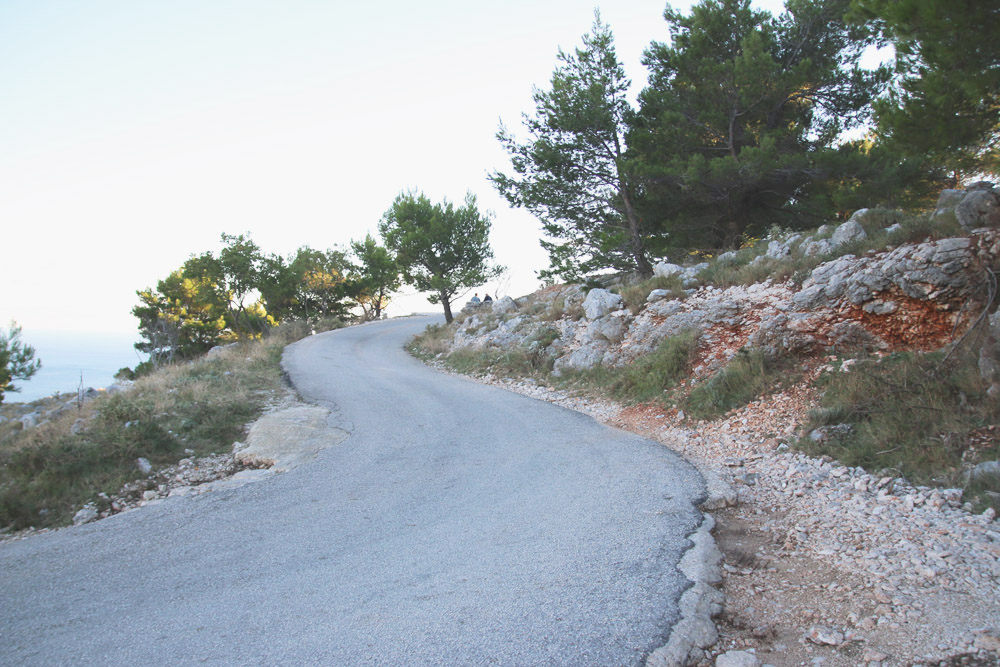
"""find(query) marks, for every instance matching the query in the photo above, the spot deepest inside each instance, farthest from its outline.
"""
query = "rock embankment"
(912, 297)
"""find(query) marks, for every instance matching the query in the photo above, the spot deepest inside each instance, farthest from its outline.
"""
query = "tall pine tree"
(946, 101)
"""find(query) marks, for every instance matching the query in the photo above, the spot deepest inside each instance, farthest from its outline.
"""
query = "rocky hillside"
(894, 295)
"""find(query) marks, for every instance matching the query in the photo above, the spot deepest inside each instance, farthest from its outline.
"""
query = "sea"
(69, 358)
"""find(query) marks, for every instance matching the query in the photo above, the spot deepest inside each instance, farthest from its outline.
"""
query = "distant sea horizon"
(65, 355)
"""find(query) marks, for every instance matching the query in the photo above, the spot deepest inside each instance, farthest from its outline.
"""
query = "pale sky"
(135, 132)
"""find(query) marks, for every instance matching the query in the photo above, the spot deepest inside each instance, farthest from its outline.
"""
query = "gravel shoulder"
(825, 564)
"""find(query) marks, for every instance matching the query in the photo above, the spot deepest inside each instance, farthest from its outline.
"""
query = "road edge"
(699, 604)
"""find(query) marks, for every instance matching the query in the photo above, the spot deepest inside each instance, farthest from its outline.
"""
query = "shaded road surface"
(457, 525)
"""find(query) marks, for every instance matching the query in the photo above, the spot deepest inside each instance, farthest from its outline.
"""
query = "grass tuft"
(635, 296)
(515, 362)
(650, 376)
(748, 375)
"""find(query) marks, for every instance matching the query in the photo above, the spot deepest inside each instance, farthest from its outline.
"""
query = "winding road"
(458, 524)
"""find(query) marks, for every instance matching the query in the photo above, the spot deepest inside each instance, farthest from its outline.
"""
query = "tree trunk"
(635, 237)
(447, 308)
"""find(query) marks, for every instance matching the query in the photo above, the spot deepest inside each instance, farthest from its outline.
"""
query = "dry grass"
(910, 414)
(193, 408)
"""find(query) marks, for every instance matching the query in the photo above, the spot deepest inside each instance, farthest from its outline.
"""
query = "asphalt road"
(457, 525)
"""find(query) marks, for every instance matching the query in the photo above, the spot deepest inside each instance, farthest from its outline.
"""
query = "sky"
(135, 133)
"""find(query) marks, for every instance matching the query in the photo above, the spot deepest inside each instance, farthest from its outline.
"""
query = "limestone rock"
(610, 329)
(975, 207)
(947, 201)
(859, 215)
(686, 273)
(847, 232)
(978, 208)
(821, 247)
(600, 302)
(504, 306)
(30, 420)
(737, 659)
(666, 269)
(823, 635)
(657, 295)
(144, 465)
(582, 358)
(86, 514)
(825, 434)
(988, 639)
(778, 249)
(985, 469)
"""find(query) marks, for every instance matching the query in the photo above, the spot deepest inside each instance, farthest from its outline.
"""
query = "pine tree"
(571, 171)
(741, 113)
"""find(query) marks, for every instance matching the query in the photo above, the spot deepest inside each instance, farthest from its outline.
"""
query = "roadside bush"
(434, 340)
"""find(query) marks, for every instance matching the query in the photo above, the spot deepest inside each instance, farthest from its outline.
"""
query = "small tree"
(441, 249)
(185, 315)
(242, 265)
(376, 276)
(309, 284)
(17, 360)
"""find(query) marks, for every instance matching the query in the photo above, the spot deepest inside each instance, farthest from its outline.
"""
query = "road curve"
(458, 524)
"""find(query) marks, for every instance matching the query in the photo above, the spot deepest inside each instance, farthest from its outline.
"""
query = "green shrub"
(748, 375)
